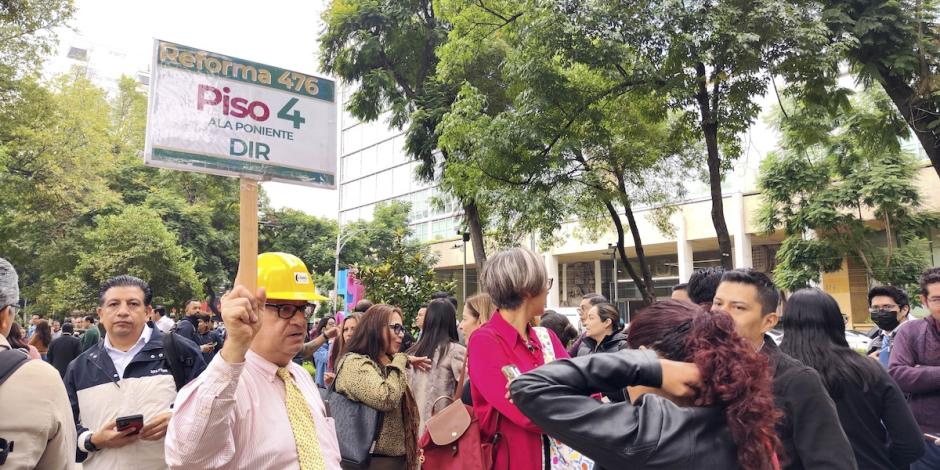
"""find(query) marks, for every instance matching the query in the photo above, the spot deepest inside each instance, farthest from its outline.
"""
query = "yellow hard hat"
(285, 277)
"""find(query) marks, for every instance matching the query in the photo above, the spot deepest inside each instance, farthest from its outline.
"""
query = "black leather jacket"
(653, 434)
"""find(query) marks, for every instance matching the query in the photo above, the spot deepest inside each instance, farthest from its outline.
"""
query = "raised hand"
(680, 379)
(241, 312)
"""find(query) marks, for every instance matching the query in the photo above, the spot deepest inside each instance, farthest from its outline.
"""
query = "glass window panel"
(420, 205)
(367, 212)
(439, 229)
(400, 180)
(398, 149)
(353, 140)
(367, 190)
(369, 164)
(355, 165)
(421, 232)
(345, 168)
(385, 154)
(352, 196)
(383, 185)
(347, 141)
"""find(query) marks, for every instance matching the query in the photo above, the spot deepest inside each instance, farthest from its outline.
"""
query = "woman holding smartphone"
(518, 285)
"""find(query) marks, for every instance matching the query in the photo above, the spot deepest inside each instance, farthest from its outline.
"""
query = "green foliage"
(830, 171)
(404, 277)
(147, 250)
(313, 240)
(310, 238)
(70, 159)
(26, 35)
(390, 49)
(897, 45)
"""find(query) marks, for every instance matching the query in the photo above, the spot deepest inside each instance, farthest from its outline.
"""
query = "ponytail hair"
(735, 377)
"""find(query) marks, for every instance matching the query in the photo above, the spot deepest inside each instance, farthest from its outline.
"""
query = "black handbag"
(357, 426)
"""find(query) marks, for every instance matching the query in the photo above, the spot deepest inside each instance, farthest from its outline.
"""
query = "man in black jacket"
(64, 348)
(811, 432)
(186, 327)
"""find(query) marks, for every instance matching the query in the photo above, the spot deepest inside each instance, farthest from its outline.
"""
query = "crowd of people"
(691, 382)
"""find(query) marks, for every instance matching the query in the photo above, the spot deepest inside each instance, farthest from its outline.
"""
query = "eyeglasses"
(397, 328)
(286, 311)
(551, 281)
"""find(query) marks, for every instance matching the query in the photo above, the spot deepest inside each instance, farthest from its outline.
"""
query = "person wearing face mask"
(889, 308)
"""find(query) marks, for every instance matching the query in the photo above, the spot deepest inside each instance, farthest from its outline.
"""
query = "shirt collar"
(507, 331)
(142, 340)
(268, 368)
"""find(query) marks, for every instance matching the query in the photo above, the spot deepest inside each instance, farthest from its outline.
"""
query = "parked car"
(857, 340)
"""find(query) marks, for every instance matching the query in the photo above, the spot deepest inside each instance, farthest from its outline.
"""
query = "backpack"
(174, 362)
(10, 361)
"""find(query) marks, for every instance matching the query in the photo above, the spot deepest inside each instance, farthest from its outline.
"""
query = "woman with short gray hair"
(518, 284)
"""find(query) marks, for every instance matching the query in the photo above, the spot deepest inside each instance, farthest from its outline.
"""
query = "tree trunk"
(917, 114)
(710, 133)
(472, 217)
(615, 217)
(646, 287)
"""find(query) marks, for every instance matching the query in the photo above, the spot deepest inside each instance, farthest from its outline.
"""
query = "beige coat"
(35, 414)
(438, 382)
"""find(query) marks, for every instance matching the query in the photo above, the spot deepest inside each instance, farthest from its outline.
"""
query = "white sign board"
(211, 113)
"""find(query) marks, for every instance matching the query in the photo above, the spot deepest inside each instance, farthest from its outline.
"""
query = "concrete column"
(598, 285)
(683, 248)
(551, 265)
(742, 241)
(564, 284)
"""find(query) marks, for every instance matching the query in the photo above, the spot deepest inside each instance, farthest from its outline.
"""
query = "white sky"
(276, 32)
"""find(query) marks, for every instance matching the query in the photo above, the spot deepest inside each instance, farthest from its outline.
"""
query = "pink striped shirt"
(234, 416)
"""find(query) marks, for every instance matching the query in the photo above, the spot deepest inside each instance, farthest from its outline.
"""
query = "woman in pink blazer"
(518, 284)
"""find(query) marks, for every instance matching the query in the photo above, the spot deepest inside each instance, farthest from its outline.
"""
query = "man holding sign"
(253, 407)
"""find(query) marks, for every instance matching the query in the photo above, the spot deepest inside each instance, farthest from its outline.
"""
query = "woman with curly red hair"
(700, 397)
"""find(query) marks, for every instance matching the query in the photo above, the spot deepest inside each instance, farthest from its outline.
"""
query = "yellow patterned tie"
(301, 423)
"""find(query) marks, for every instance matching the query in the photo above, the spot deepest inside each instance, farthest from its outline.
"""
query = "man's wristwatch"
(89, 445)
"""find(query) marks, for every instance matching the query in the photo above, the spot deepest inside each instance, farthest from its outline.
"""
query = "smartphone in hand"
(510, 371)
(133, 421)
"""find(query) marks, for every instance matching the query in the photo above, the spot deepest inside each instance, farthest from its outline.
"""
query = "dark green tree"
(133, 242)
(27, 36)
(388, 49)
(711, 60)
(403, 278)
(834, 171)
(897, 45)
